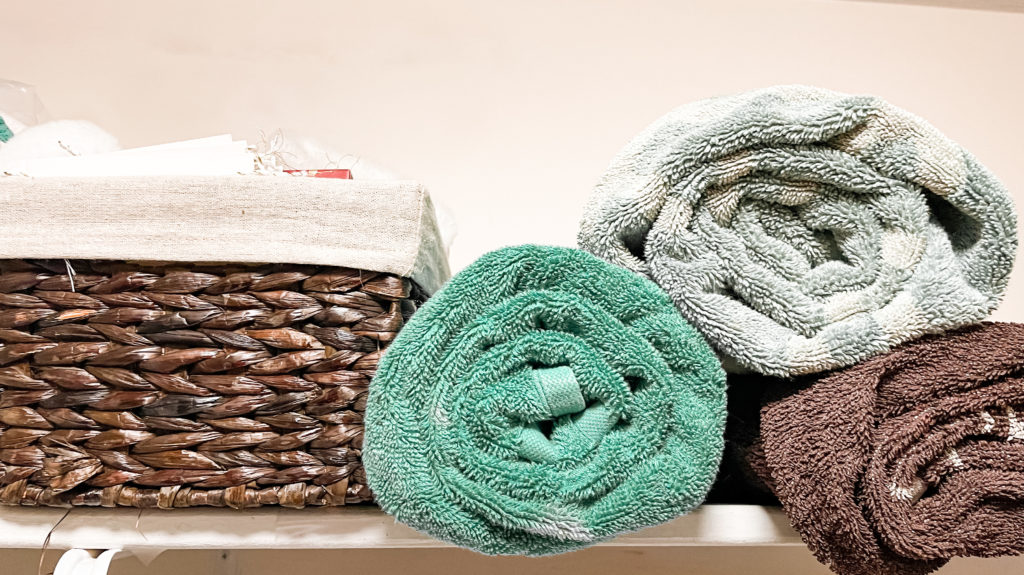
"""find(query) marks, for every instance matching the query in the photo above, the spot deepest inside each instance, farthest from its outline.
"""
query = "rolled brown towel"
(900, 463)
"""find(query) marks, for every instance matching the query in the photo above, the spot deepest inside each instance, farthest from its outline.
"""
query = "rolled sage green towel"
(543, 401)
(803, 230)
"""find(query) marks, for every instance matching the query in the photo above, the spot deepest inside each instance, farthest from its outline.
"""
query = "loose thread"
(46, 542)
(71, 273)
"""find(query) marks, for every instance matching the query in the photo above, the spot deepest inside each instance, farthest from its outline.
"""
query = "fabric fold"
(802, 230)
(904, 461)
(543, 401)
(375, 225)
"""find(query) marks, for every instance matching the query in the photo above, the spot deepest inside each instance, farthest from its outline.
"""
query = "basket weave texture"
(173, 385)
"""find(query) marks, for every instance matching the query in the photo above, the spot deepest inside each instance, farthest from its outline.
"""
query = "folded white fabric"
(386, 226)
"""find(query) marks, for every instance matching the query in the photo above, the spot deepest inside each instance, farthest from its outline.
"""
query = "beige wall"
(510, 110)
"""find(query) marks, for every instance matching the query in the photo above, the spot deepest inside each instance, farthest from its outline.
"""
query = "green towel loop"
(560, 390)
(562, 395)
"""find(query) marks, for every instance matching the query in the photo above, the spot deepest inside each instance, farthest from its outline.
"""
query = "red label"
(336, 174)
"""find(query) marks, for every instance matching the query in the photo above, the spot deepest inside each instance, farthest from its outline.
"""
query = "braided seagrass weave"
(175, 385)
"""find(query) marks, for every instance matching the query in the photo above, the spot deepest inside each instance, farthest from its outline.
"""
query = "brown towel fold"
(910, 458)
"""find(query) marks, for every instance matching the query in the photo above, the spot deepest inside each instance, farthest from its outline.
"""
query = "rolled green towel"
(543, 401)
(803, 230)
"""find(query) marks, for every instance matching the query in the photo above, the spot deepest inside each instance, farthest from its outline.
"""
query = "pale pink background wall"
(510, 110)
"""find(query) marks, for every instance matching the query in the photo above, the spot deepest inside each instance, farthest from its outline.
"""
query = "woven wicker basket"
(169, 385)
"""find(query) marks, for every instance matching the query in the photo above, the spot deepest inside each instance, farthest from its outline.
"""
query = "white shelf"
(336, 528)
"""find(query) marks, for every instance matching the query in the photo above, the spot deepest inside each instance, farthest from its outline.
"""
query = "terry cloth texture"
(803, 230)
(543, 401)
(897, 464)
(377, 226)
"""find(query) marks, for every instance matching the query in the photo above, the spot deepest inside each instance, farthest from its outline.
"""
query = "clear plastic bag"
(20, 106)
